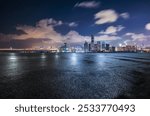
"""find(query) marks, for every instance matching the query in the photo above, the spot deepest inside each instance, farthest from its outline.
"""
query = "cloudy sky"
(36, 23)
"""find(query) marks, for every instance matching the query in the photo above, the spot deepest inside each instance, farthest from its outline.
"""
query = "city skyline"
(31, 24)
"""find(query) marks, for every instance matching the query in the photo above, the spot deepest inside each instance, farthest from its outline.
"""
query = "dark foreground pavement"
(72, 75)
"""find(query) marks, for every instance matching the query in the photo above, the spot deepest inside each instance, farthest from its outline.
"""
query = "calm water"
(73, 75)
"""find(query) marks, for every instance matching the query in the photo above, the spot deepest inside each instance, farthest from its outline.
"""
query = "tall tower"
(86, 46)
(65, 47)
(92, 39)
(103, 46)
(92, 44)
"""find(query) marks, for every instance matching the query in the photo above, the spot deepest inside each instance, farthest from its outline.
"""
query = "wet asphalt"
(75, 76)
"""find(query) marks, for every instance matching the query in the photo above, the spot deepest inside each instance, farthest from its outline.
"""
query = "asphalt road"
(75, 76)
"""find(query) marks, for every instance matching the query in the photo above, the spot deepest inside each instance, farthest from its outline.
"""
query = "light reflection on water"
(101, 59)
(13, 57)
(56, 56)
(13, 66)
(74, 59)
(43, 56)
(43, 60)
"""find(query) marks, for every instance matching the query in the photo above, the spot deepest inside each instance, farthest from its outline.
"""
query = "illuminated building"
(147, 49)
(79, 49)
(127, 48)
(98, 47)
(64, 48)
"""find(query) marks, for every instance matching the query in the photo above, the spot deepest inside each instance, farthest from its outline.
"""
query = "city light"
(43, 56)
(13, 57)
(120, 45)
(56, 55)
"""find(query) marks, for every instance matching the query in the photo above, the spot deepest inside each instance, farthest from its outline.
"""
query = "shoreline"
(46, 51)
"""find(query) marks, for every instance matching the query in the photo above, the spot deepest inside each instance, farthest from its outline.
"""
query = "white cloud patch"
(137, 37)
(75, 37)
(88, 4)
(112, 30)
(107, 38)
(147, 26)
(125, 15)
(108, 16)
(44, 31)
(49, 22)
(72, 24)
(129, 42)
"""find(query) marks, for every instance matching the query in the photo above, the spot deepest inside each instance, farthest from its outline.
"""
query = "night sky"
(36, 23)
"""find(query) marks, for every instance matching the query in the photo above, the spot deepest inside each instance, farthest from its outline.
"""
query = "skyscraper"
(99, 47)
(103, 46)
(92, 38)
(92, 43)
(86, 47)
(89, 47)
(107, 47)
(64, 48)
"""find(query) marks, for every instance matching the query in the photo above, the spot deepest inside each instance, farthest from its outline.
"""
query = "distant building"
(112, 49)
(89, 47)
(99, 46)
(107, 47)
(146, 49)
(92, 39)
(79, 48)
(64, 48)
(128, 48)
(103, 46)
(92, 49)
(86, 47)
